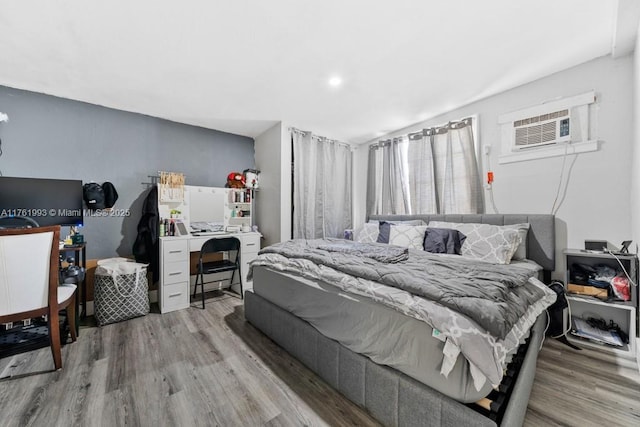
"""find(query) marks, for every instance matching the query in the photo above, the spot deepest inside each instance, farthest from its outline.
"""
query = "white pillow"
(491, 243)
(368, 233)
(408, 236)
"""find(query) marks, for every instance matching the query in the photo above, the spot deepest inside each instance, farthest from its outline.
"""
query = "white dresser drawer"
(174, 272)
(250, 243)
(174, 297)
(175, 250)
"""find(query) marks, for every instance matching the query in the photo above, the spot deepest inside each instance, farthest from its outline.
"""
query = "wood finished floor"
(210, 367)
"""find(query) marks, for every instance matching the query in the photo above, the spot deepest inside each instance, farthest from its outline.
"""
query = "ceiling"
(241, 66)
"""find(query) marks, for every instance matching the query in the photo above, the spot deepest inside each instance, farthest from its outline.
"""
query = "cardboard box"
(587, 290)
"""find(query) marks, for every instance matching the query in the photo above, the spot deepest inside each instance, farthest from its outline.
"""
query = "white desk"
(175, 282)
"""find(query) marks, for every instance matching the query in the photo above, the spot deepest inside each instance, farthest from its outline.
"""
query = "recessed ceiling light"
(335, 81)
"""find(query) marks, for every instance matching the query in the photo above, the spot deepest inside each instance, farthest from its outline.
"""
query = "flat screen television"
(47, 201)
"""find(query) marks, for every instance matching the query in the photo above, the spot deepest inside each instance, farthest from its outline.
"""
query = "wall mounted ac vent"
(553, 128)
(545, 129)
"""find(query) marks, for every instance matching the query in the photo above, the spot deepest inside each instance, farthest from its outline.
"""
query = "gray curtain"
(432, 171)
(321, 186)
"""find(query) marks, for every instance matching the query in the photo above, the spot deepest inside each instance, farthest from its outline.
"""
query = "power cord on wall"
(554, 208)
(489, 185)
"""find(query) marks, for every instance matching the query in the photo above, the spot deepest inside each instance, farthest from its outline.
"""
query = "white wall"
(273, 200)
(597, 204)
(635, 172)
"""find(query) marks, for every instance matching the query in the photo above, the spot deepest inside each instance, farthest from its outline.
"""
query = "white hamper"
(121, 290)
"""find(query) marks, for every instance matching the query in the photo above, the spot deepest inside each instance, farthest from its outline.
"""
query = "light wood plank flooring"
(210, 367)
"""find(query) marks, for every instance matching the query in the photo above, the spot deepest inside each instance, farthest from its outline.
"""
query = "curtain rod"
(318, 137)
(435, 130)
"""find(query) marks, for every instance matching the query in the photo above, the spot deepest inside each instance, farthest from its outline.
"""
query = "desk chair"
(16, 221)
(218, 245)
(29, 281)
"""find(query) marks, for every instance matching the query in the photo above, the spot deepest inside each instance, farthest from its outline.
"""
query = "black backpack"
(110, 194)
(93, 195)
(556, 310)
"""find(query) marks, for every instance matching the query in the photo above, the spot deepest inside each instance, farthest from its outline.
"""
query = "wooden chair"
(29, 281)
(218, 245)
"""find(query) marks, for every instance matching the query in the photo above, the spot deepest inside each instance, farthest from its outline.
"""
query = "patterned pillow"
(491, 243)
(523, 230)
(408, 236)
(368, 233)
(385, 227)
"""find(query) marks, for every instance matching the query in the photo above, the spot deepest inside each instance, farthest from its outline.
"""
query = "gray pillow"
(443, 241)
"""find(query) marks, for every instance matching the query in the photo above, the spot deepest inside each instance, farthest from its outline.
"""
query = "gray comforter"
(381, 253)
(491, 295)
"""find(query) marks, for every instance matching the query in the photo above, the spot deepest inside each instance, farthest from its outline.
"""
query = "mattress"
(385, 335)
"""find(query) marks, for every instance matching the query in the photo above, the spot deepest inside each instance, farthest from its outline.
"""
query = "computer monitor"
(47, 201)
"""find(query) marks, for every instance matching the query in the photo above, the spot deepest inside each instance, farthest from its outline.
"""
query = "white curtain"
(432, 171)
(321, 186)
(388, 171)
(458, 182)
(422, 179)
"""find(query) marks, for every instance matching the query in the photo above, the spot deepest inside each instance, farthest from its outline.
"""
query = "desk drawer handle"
(175, 273)
(175, 252)
(177, 294)
(251, 244)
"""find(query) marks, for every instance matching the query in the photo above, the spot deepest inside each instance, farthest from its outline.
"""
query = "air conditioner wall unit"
(545, 129)
(549, 129)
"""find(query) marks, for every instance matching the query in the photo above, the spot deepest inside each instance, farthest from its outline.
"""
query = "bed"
(344, 337)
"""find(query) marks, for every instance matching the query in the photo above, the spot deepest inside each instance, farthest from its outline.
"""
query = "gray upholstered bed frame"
(541, 240)
(390, 396)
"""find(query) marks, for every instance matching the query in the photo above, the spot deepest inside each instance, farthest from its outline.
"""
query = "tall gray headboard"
(541, 240)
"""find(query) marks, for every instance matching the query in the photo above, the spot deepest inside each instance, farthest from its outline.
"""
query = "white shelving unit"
(238, 210)
(623, 313)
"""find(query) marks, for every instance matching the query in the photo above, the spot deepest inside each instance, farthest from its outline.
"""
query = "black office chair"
(218, 245)
(15, 221)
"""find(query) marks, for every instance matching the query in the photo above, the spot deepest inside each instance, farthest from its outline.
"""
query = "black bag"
(556, 310)
(581, 273)
(93, 195)
(110, 194)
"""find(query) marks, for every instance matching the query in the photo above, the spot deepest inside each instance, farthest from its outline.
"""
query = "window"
(427, 172)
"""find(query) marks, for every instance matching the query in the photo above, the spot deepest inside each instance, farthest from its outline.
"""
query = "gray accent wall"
(50, 137)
